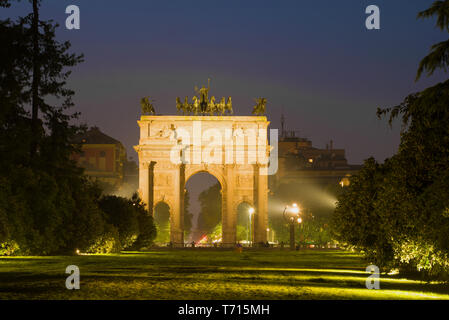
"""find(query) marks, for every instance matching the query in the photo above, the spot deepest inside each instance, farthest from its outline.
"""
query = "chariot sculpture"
(202, 105)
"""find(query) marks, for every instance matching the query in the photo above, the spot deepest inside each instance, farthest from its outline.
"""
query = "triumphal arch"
(234, 149)
(208, 138)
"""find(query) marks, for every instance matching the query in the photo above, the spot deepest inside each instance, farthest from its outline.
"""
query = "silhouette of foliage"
(438, 58)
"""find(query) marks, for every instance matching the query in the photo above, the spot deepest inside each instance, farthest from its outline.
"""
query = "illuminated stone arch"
(163, 179)
(213, 170)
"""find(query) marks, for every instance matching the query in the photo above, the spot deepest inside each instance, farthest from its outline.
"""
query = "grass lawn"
(207, 274)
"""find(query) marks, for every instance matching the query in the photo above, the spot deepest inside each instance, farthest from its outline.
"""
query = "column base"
(177, 239)
(228, 239)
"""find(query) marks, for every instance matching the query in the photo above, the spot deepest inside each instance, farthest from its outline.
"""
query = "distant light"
(311, 160)
(299, 220)
(295, 205)
(393, 272)
(295, 210)
(251, 210)
(77, 251)
(268, 229)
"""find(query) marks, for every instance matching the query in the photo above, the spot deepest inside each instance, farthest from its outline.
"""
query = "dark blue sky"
(314, 61)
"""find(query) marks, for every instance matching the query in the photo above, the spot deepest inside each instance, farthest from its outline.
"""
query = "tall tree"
(36, 76)
(439, 55)
(50, 206)
(210, 214)
(398, 212)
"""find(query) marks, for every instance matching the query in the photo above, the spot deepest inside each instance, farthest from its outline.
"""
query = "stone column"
(229, 220)
(144, 187)
(176, 214)
(261, 202)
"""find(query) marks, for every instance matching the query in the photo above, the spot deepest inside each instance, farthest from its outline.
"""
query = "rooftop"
(95, 136)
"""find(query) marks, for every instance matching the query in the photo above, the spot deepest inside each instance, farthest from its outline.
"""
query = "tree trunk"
(36, 78)
(292, 236)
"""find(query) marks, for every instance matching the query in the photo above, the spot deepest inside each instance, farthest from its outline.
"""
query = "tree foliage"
(147, 227)
(438, 58)
(397, 212)
(162, 221)
(47, 205)
(210, 214)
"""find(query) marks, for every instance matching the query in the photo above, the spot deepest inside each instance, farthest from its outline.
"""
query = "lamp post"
(268, 234)
(250, 238)
(291, 215)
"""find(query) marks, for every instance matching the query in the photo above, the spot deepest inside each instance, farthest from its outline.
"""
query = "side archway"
(245, 223)
(161, 215)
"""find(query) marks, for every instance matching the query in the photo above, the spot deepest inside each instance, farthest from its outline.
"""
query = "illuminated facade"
(161, 179)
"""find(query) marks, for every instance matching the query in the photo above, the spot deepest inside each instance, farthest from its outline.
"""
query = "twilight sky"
(314, 61)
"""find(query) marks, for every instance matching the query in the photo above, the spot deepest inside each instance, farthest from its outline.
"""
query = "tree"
(122, 214)
(417, 186)
(162, 220)
(45, 185)
(397, 212)
(439, 56)
(355, 220)
(147, 228)
(210, 214)
(36, 76)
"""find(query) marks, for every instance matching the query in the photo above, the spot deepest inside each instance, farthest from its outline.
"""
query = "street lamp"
(299, 220)
(250, 211)
(268, 234)
(291, 214)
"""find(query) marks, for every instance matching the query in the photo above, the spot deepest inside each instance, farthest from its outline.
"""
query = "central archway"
(162, 179)
(244, 224)
(204, 193)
